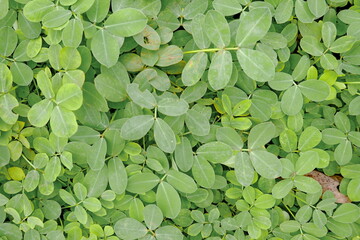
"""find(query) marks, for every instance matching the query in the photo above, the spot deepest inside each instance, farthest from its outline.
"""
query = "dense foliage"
(179, 119)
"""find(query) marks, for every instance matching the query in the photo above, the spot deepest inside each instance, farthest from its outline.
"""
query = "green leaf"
(307, 184)
(220, 70)
(80, 191)
(194, 69)
(22, 73)
(288, 140)
(342, 44)
(168, 232)
(96, 182)
(200, 37)
(181, 181)
(153, 216)
(244, 170)
(343, 152)
(8, 41)
(169, 55)
(35, 10)
(303, 12)
(265, 201)
(312, 45)
(10, 231)
(318, 7)
(230, 137)
(292, 101)
(148, 39)
(136, 127)
(56, 18)
(98, 11)
(126, 22)
(194, 8)
(347, 213)
(31, 180)
(63, 122)
(173, 106)
(81, 6)
(253, 27)
(67, 197)
(315, 90)
(284, 11)
(266, 164)
(261, 134)
(215, 152)
(203, 172)
(290, 226)
(183, 155)
(105, 48)
(142, 98)
(72, 33)
(282, 188)
(309, 138)
(197, 123)
(142, 182)
(306, 162)
(227, 7)
(353, 189)
(354, 138)
(117, 175)
(257, 65)
(96, 155)
(168, 200)
(69, 96)
(217, 28)
(128, 228)
(164, 136)
(92, 204)
(354, 106)
(328, 33)
(4, 8)
(39, 114)
(52, 169)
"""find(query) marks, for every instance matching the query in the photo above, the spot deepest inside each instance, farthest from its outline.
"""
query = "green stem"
(211, 50)
(351, 82)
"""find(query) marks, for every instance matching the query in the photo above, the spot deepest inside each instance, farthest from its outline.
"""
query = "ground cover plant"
(179, 119)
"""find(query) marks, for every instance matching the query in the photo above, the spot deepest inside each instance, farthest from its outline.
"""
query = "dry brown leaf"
(331, 184)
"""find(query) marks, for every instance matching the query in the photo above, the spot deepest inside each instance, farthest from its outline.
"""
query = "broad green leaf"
(69, 96)
(169, 55)
(128, 228)
(347, 213)
(22, 73)
(56, 18)
(342, 44)
(6, 79)
(306, 162)
(266, 164)
(153, 216)
(197, 123)
(230, 137)
(31, 180)
(70, 58)
(290, 226)
(194, 69)
(112, 83)
(105, 48)
(265, 201)
(257, 65)
(136, 127)
(183, 155)
(203, 172)
(10, 231)
(168, 200)
(342, 122)
(301, 68)
(288, 140)
(217, 28)
(284, 11)
(194, 8)
(282, 188)
(39, 114)
(72, 34)
(126, 22)
(164, 136)
(117, 175)
(172, 106)
(81, 6)
(312, 45)
(292, 101)
(67, 197)
(353, 189)
(35, 10)
(98, 11)
(92, 204)
(169, 232)
(303, 12)
(328, 33)
(91, 94)
(8, 41)
(63, 122)
(181, 182)
(142, 182)
(215, 152)
(244, 170)
(195, 92)
(318, 7)
(4, 8)
(148, 39)
(200, 36)
(52, 169)
(307, 184)
(354, 138)
(253, 27)
(354, 106)
(309, 138)
(220, 70)
(44, 84)
(315, 90)
(96, 182)
(142, 98)
(261, 134)
(227, 7)
(343, 152)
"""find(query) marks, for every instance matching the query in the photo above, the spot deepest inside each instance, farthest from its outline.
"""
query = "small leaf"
(168, 200)
(136, 127)
(117, 175)
(347, 213)
(203, 172)
(129, 228)
(217, 28)
(142, 182)
(181, 181)
(153, 216)
(164, 136)
(172, 106)
(309, 138)
(315, 90)
(39, 114)
(292, 101)
(244, 170)
(63, 122)
(69, 96)
(266, 164)
(220, 70)
(194, 69)
(215, 152)
(105, 48)
(261, 134)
